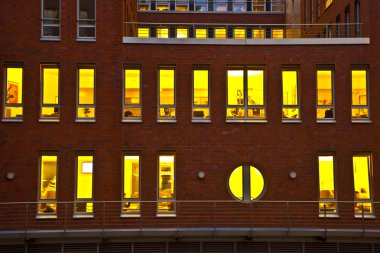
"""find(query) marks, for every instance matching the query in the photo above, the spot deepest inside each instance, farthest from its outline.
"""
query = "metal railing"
(22, 216)
(212, 5)
(242, 31)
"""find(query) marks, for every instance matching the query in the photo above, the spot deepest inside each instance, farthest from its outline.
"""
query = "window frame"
(43, 20)
(125, 213)
(246, 107)
(58, 105)
(7, 105)
(47, 201)
(83, 200)
(159, 106)
(332, 69)
(327, 214)
(139, 106)
(82, 119)
(298, 106)
(367, 106)
(168, 213)
(79, 38)
(208, 106)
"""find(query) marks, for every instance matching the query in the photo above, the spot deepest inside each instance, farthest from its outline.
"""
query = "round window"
(246, 183)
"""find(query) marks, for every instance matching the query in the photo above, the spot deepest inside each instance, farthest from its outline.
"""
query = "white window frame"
(54, 118)
(13, 119)
(298, 106)
(368, 119)
(79, 26)
(198, 119)
(332, 106)
(159, 106)
(83, 119)
(125, 106)
(173, 199)
(125, 200)
(44, 22)
(203, 4)
(322, 213)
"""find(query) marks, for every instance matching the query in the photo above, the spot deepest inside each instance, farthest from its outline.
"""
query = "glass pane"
(51, 31)
(50, 86)
(324, 87)
(257, 182)
(239, 5)
(360, 113)
(277, 34)
(143, 32)
(87, 32)
(132, 87)
(131, 207)
(235, 113)
(201, 5)
(86, 9)
(220, 5)
(201, 33)
(162, 33)
(166, 87)
(359, 87)
(220, 33)
(258, 113)
(84, 207)
(200, 113)
(13, 112)
(14, 86)
(289, 88)
(258, 33)
(361, 177)
(167, 112)
(47, 208)
(166, 182)
(86, 86)
(325, 113)
(86, 112)
(200, 87)
(131, 177)
(239, 33)
(51, 9)
(290, 113)
(131, 112)
(84, 177)
(255, 87)
(235, 84)
(235, 183)
(48, 177)
(326, 183)
(182, 33)
(50, 112)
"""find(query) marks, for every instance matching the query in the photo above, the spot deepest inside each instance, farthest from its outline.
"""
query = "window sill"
(329, 215)
(46, 216)
(52, 39)
(47, 120)
(12, 120)
(168, 215)
(365, 216)
(85, 120)
(361, 121)
(297, 121)
(201, 121)
(166, 120)
(130, 215)
(326, 121)
(246, 120)
(83, 216)
(131, 120)
(86, 39)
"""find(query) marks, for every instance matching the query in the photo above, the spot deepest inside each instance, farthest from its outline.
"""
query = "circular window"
(246, 183)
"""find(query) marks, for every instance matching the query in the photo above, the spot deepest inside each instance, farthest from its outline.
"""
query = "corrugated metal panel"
(12, 249)
(115, 248)
(355, 248)
(78, 248)
(320, 247)
(188, 247)
(220, 247)
(41, 248)
(256, 247)
(286, 247)
(149, 247)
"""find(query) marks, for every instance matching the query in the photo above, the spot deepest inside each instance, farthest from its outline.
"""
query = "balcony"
(243, 34)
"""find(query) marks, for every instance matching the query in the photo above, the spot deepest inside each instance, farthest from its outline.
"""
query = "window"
(258, 5)
(327, 193)
(201, 33)
(201, 5)
(362, 184)
(220, 5)
(131, 185)
(51, 19)
(277, 33)
(325, 95)
(239, 33)
(49, 93)
(166, 95)
(162, 32)
(13, 102)
(86, 19)
(163, 5)
(246, 183)
(245, 95)
(239, 5)
(166, 184)
(132, 94)
(143, 32)
(84, 186)
(47, 197)
(182, 5)
(86, 94)
(318, 8)
(290, 98)
(360, 108)
(338, 27)
(182, 33)
(258, 33)
(201, 93)
(220, 33)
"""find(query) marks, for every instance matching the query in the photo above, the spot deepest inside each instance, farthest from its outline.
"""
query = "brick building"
(189, 126)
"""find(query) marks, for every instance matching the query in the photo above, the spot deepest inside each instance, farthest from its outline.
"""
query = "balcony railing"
(240, 31)
(212, 5)
(281, 217)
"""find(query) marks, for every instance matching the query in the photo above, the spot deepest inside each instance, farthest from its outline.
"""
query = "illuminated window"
(258, 33)
(246, 183)
(47, 206)
(327, 193)
(84, 185)
(143, 32)
(166, 95)
(201, 5)
(86, 19)
(182, 33)
(162, 32)
(220, 5)
(201, 101)
(362, 184)
(163, 5)
(277, 33)
(131, 184)
(347, 17)
(239, 33)
(86, 94)
(245, 95)
(51, 19)
(239, 5)
(359, 108)
(325, 95)
(220, 33)
(143, 5)
(201, 33)
(132, 94)
(13, 102)
(182, 5)
(290, 98)
(258, 5)
(166, 184)
(50, 93)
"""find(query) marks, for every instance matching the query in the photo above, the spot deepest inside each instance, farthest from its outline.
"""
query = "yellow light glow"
(14, 85)
(200, 87)
(132, 87)
(257, 182)
(359, 87)
(220, 33)
(236, 182)
(255, 87)
(162, 33)
(86, 86)
(48, 177)
(50, 86)
(361, 166)
(131, 176)
(258, 33)
(326, 177)
(239, 33)
(182, 33)
(201, 33)
(324, 87)
(289, 87)
(143, 32)
(277, 33)
(166, 87)
(235, 84)
(84, 177)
